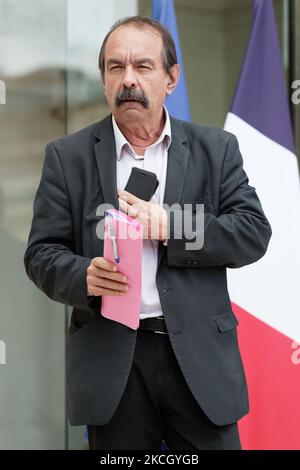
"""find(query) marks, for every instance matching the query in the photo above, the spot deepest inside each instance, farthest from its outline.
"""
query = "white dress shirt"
(155, 159)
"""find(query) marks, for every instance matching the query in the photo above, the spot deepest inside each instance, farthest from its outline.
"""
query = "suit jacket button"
(195, 262)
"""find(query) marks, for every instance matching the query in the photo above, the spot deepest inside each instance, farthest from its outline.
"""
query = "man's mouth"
(129, 101)
(131, 96)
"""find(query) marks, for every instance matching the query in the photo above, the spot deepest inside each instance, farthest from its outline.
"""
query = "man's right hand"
(103, 278)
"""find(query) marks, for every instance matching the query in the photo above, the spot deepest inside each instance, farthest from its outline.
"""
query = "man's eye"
(116, 67)
(144, 67)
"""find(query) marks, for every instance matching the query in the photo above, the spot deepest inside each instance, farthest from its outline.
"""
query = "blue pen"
(112, 236)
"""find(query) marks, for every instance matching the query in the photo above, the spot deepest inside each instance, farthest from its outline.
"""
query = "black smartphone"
(142, 183)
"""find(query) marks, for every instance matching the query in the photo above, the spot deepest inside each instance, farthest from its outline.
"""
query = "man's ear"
(174, 74)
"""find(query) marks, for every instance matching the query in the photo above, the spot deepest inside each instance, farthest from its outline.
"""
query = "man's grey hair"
(169, 55)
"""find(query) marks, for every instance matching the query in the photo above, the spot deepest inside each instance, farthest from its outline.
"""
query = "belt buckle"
(160, 332)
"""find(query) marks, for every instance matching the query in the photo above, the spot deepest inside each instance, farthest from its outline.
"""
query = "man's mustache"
(131, 94)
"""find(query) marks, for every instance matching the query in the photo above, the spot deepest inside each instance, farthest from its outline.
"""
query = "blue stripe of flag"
(178, 103)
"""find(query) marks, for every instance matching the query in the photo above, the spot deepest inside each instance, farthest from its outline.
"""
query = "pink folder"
(125, 309)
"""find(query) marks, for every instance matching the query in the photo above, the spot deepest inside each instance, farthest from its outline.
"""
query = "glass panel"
(32, 328)
(49, 86)
(88, 23)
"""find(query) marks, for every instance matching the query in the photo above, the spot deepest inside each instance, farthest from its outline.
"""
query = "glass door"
(49, 86)
(32, 328)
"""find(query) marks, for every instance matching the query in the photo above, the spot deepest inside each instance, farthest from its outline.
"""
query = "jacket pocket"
(226, 322)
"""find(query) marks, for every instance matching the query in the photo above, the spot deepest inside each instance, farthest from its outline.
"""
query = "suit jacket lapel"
(178, 156)
(177, 164)
(105, 152)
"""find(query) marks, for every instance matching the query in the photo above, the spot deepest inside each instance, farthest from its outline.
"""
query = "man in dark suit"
(179, 377)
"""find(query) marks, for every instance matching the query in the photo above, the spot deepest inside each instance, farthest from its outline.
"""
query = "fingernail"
(124, 278)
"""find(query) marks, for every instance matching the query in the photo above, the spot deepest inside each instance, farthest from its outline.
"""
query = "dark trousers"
(157, 405)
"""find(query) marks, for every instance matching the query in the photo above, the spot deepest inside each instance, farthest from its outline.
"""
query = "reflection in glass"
(32, 58)
(48, 65)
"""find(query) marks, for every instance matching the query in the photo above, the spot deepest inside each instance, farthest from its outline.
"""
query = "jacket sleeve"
(237, 236)
(49, 259)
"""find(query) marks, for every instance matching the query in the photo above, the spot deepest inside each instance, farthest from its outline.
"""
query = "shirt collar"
(121, 140)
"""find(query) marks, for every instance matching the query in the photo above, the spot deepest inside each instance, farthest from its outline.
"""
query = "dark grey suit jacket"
(204, 166)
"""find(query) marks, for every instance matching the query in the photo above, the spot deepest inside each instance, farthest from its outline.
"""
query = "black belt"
(156, 325)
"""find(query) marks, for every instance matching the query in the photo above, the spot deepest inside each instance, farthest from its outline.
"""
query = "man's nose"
(129, 79)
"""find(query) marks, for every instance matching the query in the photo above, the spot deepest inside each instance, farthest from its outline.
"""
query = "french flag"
(265, 295)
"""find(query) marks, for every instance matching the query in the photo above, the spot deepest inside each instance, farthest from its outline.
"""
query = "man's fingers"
(119, 277)
(129, 197)
(109, 284)
(103, 280)
(128, 209)
(97, 277)
(103, 263)
(123, 205)
(103, 291)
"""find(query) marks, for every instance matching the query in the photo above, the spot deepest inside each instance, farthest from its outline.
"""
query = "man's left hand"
(151, 215)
